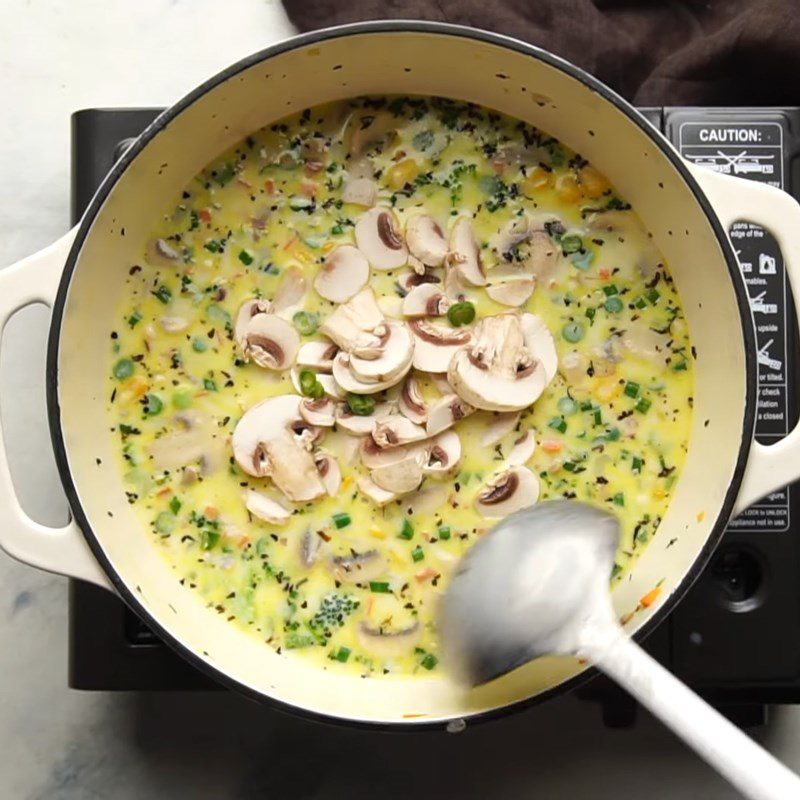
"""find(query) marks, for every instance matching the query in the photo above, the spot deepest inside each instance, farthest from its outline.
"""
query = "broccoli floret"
(333, 610)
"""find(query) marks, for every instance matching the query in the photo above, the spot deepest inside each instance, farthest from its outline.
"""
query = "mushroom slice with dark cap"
(426, 240)
(446, 412)
(379, 238)
(435, 345)
(426, 300)
(389, 644)
(508, 492)
(411, 402)
(358, 567)
(343, 274)
(465, 254)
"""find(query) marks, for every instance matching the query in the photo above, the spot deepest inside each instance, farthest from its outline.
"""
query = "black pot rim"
(303, 40)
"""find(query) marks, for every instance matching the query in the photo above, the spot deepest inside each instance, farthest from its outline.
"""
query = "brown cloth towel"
(688, 52)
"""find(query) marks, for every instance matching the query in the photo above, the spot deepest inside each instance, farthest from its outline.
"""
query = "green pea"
(461, 313)
(361, 405)
(165, 522)
(613, 305)
(305, 323)
(571, 243)
(199, 345)
(182, 399)
(573, 332)
(153, 405)
(123, 368)
(567, 406)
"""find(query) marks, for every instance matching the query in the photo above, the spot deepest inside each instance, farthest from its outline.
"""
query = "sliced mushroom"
(539, 343)
(446, 412)
(389, 644)
(360, 191)
(328, 468)
(291, 291)
(497, 372)
(389, 359)
(364, 130)
(391, 305)
(523, 449)
(435, 345)
(195, 440)
(426, 300)
(358, 567)
(318, 412)
(396, 430)
(513, 292)
(246, 313)
(270, 341)
(408, 280)
(271, 440)
(373, 456)
(263, 507)
(161, 253)
(357, 424)
(500, 425)
(416, 264)
(439, 380)
(465, 254)
(374, 493)
(350, 383)
(310, 544)
(428, 500)
(444, 453)
(426, 240)
(343, 274)
(642, 341)
(379, 238)
(402, 477)
(411, 403)
(317, 355)
(508, 492)
(352, 324)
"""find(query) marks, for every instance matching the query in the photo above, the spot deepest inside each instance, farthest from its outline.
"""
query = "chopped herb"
(429, 661)
(573, 332)
(567, 406)
(218, 314)
(362, 405)
(636, 464)
(153, 405)
(407, 531)
(619, 499)
(245, 258)
(590, 312)
(163, 294)
(309, 385)
(298, 203)
(643, 406)
(571, 244)
(652, 296)
(681, 366)
(175, 505)
(423, 140)
(134, 319)
(631, 389)
(341, 654)
(558, 424)
(444, 532)
(209, 385)
(209, 539)
(182, 399)
(610, 290)
(417, 554)
(341, 520)
(613, 305)
(165, 522)
(380, 587)
(305, 323)
(461, 313)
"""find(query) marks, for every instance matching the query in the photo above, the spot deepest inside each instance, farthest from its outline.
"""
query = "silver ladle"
(539, 584)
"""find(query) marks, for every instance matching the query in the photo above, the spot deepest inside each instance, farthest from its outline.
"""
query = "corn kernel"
(378, 533)
(568, 189)
(401, 174)
(607, 389)
(593, 182)
(537, 178)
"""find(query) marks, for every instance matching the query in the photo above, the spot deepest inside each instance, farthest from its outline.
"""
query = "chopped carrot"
(135, 387)
(650, 597)
(553, 445)
(498, 166)
(211, 512)
(204, 215)
(324, 536)
(370, 605)
(604, 273)
(166, 490)
(290, 244)
(309, 189)
(243, 182)
(427, 574)
(270, 186)
(244, 541)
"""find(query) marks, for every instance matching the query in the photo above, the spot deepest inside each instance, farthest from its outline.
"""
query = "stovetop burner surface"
(736, 636)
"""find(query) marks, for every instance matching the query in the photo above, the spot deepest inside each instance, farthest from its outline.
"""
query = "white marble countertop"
(58, 744)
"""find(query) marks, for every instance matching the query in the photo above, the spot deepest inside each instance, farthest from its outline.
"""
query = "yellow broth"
(612, 427)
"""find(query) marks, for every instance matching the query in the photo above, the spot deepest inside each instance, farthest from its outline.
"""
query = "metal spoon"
(539, 584)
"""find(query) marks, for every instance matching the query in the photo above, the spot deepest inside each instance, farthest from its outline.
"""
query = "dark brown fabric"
(687, 52)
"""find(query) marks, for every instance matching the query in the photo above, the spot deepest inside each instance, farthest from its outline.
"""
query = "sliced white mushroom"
(317, 355)
(391, 305)
(263, 507)
(389, 644)
(332, 389)
(416, 264)
(426, 300)
(465, 254)
(359, 567)
(408, 280)
(379, 238)
(508, 492)
(428, 500)
(374, 493)
(353, 322)
(539, 343)
(522, 450)
(270, 440)
(444, 454)
(435, 345)
(426, 240)
(396, 430)
(527, 249)
(366, 129)
(411, 402)
(310, 545)
(318, 412)
(358, 424)
(439, 380)
(350, 383)
(174, 324)
(270, 341)
(162, 253)
(391, 358)
(640, 340)
(195, 441)
(290, 293)
(246, 313)
(329, 472)
(360, 191)
(497, 372)
(500, 424)
(401, 477)
(513, 292)
(446, 412)
(372, 456)
(343, 274)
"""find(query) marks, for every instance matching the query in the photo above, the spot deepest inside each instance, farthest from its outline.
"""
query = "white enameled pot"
(688, 211)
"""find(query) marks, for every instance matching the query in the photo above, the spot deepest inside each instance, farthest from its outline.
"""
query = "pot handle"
(61, 550)
(769, 467)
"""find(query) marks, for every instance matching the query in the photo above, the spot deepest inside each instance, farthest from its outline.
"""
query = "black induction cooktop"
(736, 636)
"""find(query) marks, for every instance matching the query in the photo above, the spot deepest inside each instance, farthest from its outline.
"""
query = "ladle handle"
(748, 766)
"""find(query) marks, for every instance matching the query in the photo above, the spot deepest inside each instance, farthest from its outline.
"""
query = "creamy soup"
(366, 334)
